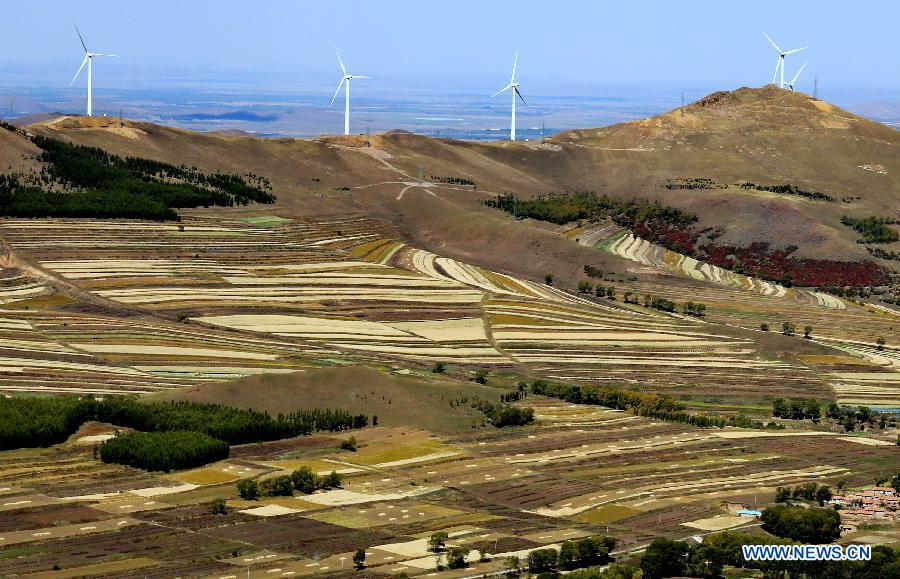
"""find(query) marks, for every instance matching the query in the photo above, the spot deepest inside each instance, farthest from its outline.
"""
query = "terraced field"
(641, 251)
(281, 295)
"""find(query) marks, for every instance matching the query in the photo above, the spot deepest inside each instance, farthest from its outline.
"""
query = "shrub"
(788, 329)
(248, 490)
(217, 507)
(481, 376)
(349, 444)
(331, 480)
(585, 287)
(807, 332)
(359, 559)
(764, 327)
(439, 368)
(548, 279)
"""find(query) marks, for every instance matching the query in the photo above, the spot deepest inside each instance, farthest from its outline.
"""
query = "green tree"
(481, 376)
(217, 507)
(359, 559)
(568, 555)
(585, 287)
(548, 279)
(808, 525)
(665, 558)
(457, 557)
(248, 489)
(513, 565)
(764, 327)
(788, 329)
(439, 368)
(437, 541)
(279, 486)
(331, 481)
(807, 332)
(541, 560)
(305, 480)
(880, 341)
(349, 444)
(782, 495)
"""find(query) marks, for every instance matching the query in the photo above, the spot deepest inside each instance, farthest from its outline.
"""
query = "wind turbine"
(346, 78)
(780, 62)
(515, 92)
(796, 76)
(89, 60)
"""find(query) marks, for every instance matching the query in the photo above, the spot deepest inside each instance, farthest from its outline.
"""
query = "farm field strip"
(61, 531)
(456, 338)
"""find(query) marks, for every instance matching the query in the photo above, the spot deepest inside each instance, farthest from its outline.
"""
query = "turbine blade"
(502, 90)
(340, 84)
(777, 64)
(356, 77)
(520, 95)
(512, 79)
(80, 38)
(112, 55)
(341, 62)
(795, 50)
(83, 62)
(773, 42)
(796, 76)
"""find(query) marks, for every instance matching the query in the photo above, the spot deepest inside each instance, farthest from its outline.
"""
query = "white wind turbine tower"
(515, 92)
(89, 60)
(346, 78)
(796, 76)
(780, 62)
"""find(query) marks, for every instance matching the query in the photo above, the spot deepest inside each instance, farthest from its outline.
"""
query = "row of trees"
(302, 480)
(858, 417)
(789, 329)
(163, 451)
(651, 405)
(811, 492)
(28, 422)
(789, 189)
(453, 180)
(563, 208)
(577, 554)
(666, 558)
(797, 409)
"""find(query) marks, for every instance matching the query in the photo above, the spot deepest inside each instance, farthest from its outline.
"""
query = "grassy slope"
(396, 400)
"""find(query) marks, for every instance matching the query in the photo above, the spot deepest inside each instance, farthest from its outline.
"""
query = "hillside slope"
(766, 136)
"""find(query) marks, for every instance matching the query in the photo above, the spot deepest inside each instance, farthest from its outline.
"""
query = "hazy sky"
(462, 45)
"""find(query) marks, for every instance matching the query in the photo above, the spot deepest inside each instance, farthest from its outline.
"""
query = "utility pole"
(682, 103)
(816, 87)
(543, 124)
